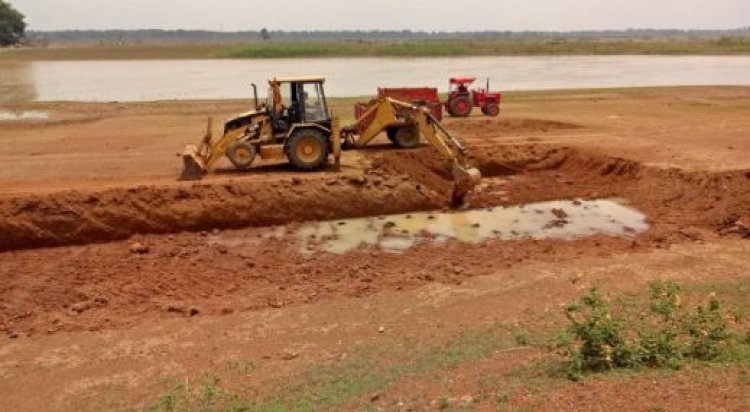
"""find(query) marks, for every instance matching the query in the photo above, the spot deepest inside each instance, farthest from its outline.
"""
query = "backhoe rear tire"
(241, 154)
(307, 149)
(460, 106)
(405, 137)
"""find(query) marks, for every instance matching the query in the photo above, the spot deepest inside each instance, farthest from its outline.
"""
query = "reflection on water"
(17, 83)
(139, 80)
(8, 116)
(548, 220)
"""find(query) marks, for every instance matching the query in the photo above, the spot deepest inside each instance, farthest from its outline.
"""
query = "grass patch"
(287, 50)
(491, 48)
(115, 52)
(342, 383)
(201, 397)
(346, 49)
(358, 48)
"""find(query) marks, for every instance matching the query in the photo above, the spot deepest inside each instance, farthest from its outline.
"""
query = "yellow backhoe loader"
(295, 124)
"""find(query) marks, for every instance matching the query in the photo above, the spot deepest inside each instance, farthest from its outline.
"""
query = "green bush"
(601, 337)
(708, 331)
(12, 25)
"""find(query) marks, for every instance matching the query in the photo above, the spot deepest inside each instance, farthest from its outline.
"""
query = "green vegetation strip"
(725, 45)
(358, 48)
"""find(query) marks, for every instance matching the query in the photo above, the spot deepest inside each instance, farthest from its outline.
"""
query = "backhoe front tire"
(241, 154)
(405, 137)
(307, 149)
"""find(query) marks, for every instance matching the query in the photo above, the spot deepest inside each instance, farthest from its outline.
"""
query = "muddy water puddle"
(548, 220)
(9, 116)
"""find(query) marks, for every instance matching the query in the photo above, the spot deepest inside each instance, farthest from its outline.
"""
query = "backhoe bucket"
(192, 168)
(465, 179)
(194, 159)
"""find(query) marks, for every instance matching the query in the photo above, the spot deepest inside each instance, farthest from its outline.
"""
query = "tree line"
(201, 36)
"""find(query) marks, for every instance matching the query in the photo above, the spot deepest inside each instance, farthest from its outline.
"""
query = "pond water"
(564, 219)
(144, 80)
(10, 116)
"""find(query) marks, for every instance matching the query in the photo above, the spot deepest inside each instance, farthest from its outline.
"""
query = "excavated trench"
(201, 268)
(396, 182)
(76, 217)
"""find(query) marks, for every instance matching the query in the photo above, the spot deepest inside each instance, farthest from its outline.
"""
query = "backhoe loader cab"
(297, 101)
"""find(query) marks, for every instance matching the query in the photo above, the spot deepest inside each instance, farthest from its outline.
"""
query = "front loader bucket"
(465, 179)
(192, 168)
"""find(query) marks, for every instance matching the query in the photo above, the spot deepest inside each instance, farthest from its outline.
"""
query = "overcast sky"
(230, 15)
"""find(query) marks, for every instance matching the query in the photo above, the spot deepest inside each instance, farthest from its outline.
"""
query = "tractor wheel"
(307, 149)
(491, 109)
(405, 137)
(460, 106)
(241, 154)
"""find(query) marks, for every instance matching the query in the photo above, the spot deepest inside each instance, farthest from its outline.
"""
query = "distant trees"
(264, 33)
(12, 25)
(197, 36)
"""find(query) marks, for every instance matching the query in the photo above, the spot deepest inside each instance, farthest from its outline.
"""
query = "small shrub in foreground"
(602, 336)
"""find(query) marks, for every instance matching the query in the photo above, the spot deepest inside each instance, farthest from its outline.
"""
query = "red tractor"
(461, 100)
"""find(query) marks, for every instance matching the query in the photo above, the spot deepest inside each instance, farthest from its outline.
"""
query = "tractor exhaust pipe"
(255, 95)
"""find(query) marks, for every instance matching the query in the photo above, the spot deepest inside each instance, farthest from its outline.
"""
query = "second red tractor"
(461, 100)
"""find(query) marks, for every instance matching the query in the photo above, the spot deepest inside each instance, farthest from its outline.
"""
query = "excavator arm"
(389, 113)
(465, 177)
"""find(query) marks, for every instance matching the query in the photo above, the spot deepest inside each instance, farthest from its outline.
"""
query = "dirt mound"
(679, 204)
(515, 159)
(695, 199)
(533, 125)
(427, 166)
(397, 182)
(75, 217)
(423, 165)
(105, 286)
(510, 126)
